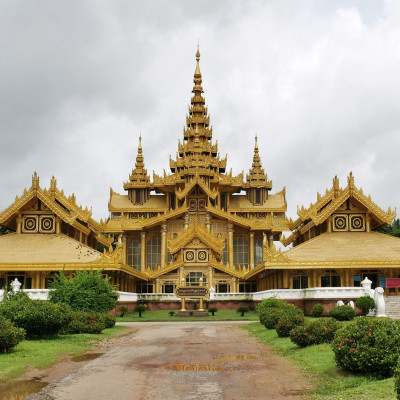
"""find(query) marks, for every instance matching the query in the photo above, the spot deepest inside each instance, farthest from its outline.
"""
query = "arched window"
(258, 251)
(193, 279)
(330, 278)
(134, 253)
(240, 252)
(154, 252)
(300, 280)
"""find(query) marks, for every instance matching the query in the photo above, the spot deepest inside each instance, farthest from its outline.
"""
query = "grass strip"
(163, 316)
(318, 363)
(44, 352)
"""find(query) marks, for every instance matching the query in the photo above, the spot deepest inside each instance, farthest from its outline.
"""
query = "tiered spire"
(257, 177)
(197, 155)
(138, 178)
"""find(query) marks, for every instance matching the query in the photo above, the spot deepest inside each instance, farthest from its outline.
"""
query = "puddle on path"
(184, 343)
(240, 357)
(18, 390)
(86, 357)
(186, 367)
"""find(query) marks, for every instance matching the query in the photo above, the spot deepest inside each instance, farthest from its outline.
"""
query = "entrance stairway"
(392, 304)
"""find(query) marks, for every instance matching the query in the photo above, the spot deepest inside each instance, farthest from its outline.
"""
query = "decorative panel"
(202, 204)
(47, 224)
(30, 224)
(196, 255)
(340, 223)
(357, 223)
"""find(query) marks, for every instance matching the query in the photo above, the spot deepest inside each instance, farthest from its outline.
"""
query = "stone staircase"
(392, 305)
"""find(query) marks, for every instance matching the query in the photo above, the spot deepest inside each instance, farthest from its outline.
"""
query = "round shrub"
(342, 313)
(10, 335)
(242, 310)
(212, 310)
(86, 322)
(291, 317)
(317, 311)
(37, 317)
(270, 317)
(272, 302)
(369, 346)
(315, 332)
(365, 304)
(140, 308)
(109, 320)
(87, 290)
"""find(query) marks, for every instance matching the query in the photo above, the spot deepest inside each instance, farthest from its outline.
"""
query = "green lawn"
(317, 362)
(42, 353)
(221, 315)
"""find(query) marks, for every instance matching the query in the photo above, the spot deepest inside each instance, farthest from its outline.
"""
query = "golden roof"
(275, 202)
(55, 200)
(138, 177)
(347, 247)
(257, 177)
(121, 203)
(44, 248)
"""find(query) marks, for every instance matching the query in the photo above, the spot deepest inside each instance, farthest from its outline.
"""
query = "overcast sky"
(319, 82)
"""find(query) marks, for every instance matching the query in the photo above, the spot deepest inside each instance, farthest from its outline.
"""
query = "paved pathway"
(185, 360)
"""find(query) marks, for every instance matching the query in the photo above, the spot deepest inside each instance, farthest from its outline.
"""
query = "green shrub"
(315, 332)
(396, 375)
(291, 317)
(242, 310)
(86, 322)
(271, 302)
(10, 335)
(365, 304)
(140, 308)
(370, 346)
(317, 311)
(270, 317)
(122, 310)
(171, 313)
(109, 320)
(212, 310)
(36, 317)
(87, 290)
(342, 313)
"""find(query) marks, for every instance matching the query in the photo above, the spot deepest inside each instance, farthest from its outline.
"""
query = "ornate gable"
(339, 210)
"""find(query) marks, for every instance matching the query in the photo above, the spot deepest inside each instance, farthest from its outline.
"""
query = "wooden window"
(154, 252)
(258, 251)
(240, 252)
(193, 279)
(330, 278)
(135, 254)
(300, 280)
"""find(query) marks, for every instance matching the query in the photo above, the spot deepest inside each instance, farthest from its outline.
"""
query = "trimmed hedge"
(266, 304)
(315, 332)
(291, 317)
(365, 304)
(270, 317)
(317, 311)
(86, 322)
(38, 318)
(396, 376)
(10, 335)
(342, 313)
(109, 320)
(370, 346)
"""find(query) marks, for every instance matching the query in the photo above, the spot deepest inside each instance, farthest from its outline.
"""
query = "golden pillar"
(251, 250)
(163, 245)
(142, 251)
(157, 288)
(285, 277)
(19, 224)
(329, 225)
(230, 245)
(124, 250)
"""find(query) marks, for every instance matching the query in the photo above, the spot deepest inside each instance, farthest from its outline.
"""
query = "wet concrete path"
(186, 360)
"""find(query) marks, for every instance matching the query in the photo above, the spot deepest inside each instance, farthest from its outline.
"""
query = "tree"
(140, 309)
(393, 229)
(87, 290)
(242, 310)
(4, 231)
